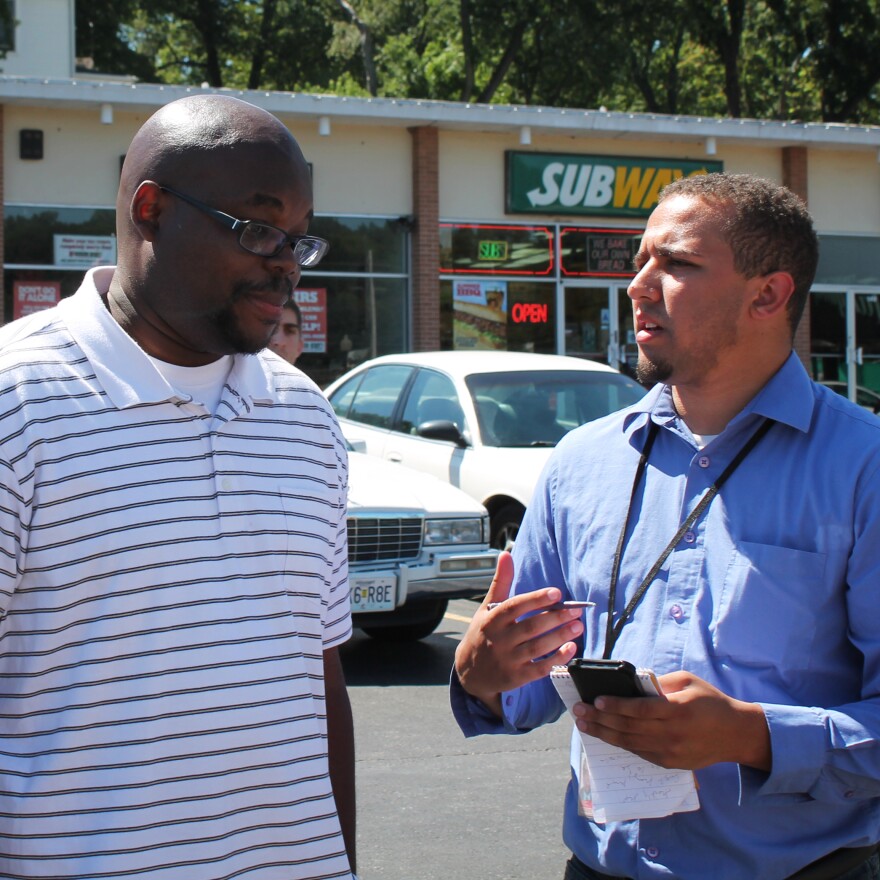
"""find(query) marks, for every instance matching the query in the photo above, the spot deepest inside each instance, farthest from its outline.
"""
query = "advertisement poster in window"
(84, 251)
(34, 296)
(479, 315)
(312, 304)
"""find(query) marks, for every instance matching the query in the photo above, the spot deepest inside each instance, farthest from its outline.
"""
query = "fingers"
(517, 641)
(499, 589)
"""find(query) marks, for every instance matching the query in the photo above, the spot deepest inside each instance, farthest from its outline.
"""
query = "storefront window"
(66, 241)
(594, 252)
(849, 260)
(491, 249)
(362, 244)
(499, 315)
(364, 317)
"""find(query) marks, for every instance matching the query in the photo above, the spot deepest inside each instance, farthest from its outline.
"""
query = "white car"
(485, 421)
(414, 543)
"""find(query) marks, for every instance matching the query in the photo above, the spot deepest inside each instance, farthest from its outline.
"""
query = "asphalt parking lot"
(432, 804)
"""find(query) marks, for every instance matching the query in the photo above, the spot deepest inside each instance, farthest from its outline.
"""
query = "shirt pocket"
(766, 616)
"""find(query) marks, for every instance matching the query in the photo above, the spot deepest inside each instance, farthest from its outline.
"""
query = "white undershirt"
(203, 384)
(703, 440)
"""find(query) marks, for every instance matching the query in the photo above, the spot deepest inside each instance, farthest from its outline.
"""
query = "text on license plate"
(373, 594)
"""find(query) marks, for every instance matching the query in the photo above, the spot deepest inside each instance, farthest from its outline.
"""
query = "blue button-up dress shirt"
(773, 596)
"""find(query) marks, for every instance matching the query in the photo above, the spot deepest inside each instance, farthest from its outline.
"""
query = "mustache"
(276, 284)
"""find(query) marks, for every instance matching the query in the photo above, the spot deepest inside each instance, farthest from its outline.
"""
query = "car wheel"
(505, 526)
(418, 620)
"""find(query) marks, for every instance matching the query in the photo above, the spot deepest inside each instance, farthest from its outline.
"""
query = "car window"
(342, 397)
(376, 396)
(539, 408)
(432, 398)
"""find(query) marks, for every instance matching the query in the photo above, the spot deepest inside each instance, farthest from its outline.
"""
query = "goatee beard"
(651, 372)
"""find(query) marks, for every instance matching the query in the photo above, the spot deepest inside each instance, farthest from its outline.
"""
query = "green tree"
(777, 59)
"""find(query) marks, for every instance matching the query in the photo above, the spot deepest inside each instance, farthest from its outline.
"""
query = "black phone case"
(612, 678)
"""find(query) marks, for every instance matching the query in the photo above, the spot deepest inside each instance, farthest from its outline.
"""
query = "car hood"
(375, 484)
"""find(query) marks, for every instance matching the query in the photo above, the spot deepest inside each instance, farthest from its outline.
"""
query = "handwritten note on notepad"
(622, 785)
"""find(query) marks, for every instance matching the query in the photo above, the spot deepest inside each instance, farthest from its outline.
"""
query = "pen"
(555, 607)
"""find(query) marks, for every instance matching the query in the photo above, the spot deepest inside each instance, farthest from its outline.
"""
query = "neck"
(707, 408)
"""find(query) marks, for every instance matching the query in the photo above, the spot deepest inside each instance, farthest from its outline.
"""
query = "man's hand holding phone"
(519, 640)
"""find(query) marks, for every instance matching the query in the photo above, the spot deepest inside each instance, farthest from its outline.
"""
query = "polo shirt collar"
(786, 398)
(121, 366)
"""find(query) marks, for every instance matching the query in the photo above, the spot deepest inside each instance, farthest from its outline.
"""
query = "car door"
(366, 405)
(431, 396)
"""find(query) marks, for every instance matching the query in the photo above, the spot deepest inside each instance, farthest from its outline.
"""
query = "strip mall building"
(532, 211)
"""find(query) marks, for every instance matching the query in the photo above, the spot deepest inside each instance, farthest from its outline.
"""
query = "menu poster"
(479, 315)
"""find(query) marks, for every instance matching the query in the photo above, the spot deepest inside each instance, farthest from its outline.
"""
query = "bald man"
(173, 585)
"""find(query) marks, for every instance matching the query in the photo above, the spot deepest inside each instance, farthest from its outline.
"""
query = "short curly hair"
(767, 227)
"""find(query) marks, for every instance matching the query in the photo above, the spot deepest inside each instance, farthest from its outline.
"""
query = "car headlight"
(454, 531)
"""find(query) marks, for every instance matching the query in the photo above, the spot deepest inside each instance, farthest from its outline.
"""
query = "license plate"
(373, 593)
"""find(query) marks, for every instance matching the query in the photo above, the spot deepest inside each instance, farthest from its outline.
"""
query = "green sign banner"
(564, 183)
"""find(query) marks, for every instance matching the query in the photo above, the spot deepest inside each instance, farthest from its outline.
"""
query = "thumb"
(499, 589)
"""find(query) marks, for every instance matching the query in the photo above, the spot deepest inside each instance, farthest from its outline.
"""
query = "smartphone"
(611, 678)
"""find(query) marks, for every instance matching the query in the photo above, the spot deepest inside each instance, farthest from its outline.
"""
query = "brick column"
(426, 239)
(794, 176)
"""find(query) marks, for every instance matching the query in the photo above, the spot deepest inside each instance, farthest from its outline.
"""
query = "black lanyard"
(612, 628)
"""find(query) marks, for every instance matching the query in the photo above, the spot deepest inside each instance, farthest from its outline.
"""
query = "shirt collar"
(787, 398)
(121, 366)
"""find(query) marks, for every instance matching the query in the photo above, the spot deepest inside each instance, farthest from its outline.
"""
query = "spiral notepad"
(622, 785)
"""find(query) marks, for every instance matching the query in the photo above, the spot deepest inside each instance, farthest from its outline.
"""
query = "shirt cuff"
(798, 745)
(473, 716)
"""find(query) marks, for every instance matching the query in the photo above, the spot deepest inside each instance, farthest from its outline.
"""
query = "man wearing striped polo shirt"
(173, 559)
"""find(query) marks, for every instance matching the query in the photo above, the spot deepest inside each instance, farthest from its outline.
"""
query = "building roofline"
(406, 112)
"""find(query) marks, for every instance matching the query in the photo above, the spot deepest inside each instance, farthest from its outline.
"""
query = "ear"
(145, 209)
(771, 295)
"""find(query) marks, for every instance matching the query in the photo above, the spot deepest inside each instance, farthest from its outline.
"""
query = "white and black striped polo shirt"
(168, 582)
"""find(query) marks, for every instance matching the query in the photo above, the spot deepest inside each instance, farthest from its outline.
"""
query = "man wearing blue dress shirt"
(763, 621)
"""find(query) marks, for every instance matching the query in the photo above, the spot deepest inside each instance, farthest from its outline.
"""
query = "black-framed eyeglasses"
(261, 238)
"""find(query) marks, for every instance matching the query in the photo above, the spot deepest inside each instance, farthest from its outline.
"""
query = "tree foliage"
(807, 60)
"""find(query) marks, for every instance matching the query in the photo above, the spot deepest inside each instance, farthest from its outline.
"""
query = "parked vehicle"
(484, 421)
(865, 397)
(414, 543)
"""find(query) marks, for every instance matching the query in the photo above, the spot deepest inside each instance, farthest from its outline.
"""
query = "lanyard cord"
(612, 628)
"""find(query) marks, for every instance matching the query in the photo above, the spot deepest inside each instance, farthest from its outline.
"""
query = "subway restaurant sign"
(563, 183)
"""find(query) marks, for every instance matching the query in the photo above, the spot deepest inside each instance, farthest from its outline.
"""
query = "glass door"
(598, 323)
(845, 343)
(864, 379)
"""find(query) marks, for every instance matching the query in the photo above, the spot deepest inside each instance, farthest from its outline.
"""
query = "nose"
(284, 263)
(644, 285)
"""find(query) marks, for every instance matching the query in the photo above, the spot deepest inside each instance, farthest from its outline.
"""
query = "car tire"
(505, 526)
(420, 619)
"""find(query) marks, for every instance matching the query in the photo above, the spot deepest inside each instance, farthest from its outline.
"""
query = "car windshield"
(539, 408)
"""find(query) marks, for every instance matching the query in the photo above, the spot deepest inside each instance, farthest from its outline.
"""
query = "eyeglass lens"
(268, 241)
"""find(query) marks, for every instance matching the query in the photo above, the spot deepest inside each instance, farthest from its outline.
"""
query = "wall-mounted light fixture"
(324, 126)
(106, 114)
(525, 136)
(711, 146)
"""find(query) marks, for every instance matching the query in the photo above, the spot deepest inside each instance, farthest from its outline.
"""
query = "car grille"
(384, 539)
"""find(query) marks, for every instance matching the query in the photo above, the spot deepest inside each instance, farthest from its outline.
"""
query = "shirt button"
(703, 461)
(850, 794)
(652, 852)
(676, 612)
(689, 537)
(508, 701)
(226, 483)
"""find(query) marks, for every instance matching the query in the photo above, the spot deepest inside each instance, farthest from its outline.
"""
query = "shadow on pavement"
(369, 661)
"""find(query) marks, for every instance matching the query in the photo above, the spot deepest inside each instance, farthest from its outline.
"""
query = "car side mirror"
(442, 429)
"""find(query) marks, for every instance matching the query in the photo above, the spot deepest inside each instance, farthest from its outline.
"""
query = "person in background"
(287, 339)
(756, 607)
(173, 588)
